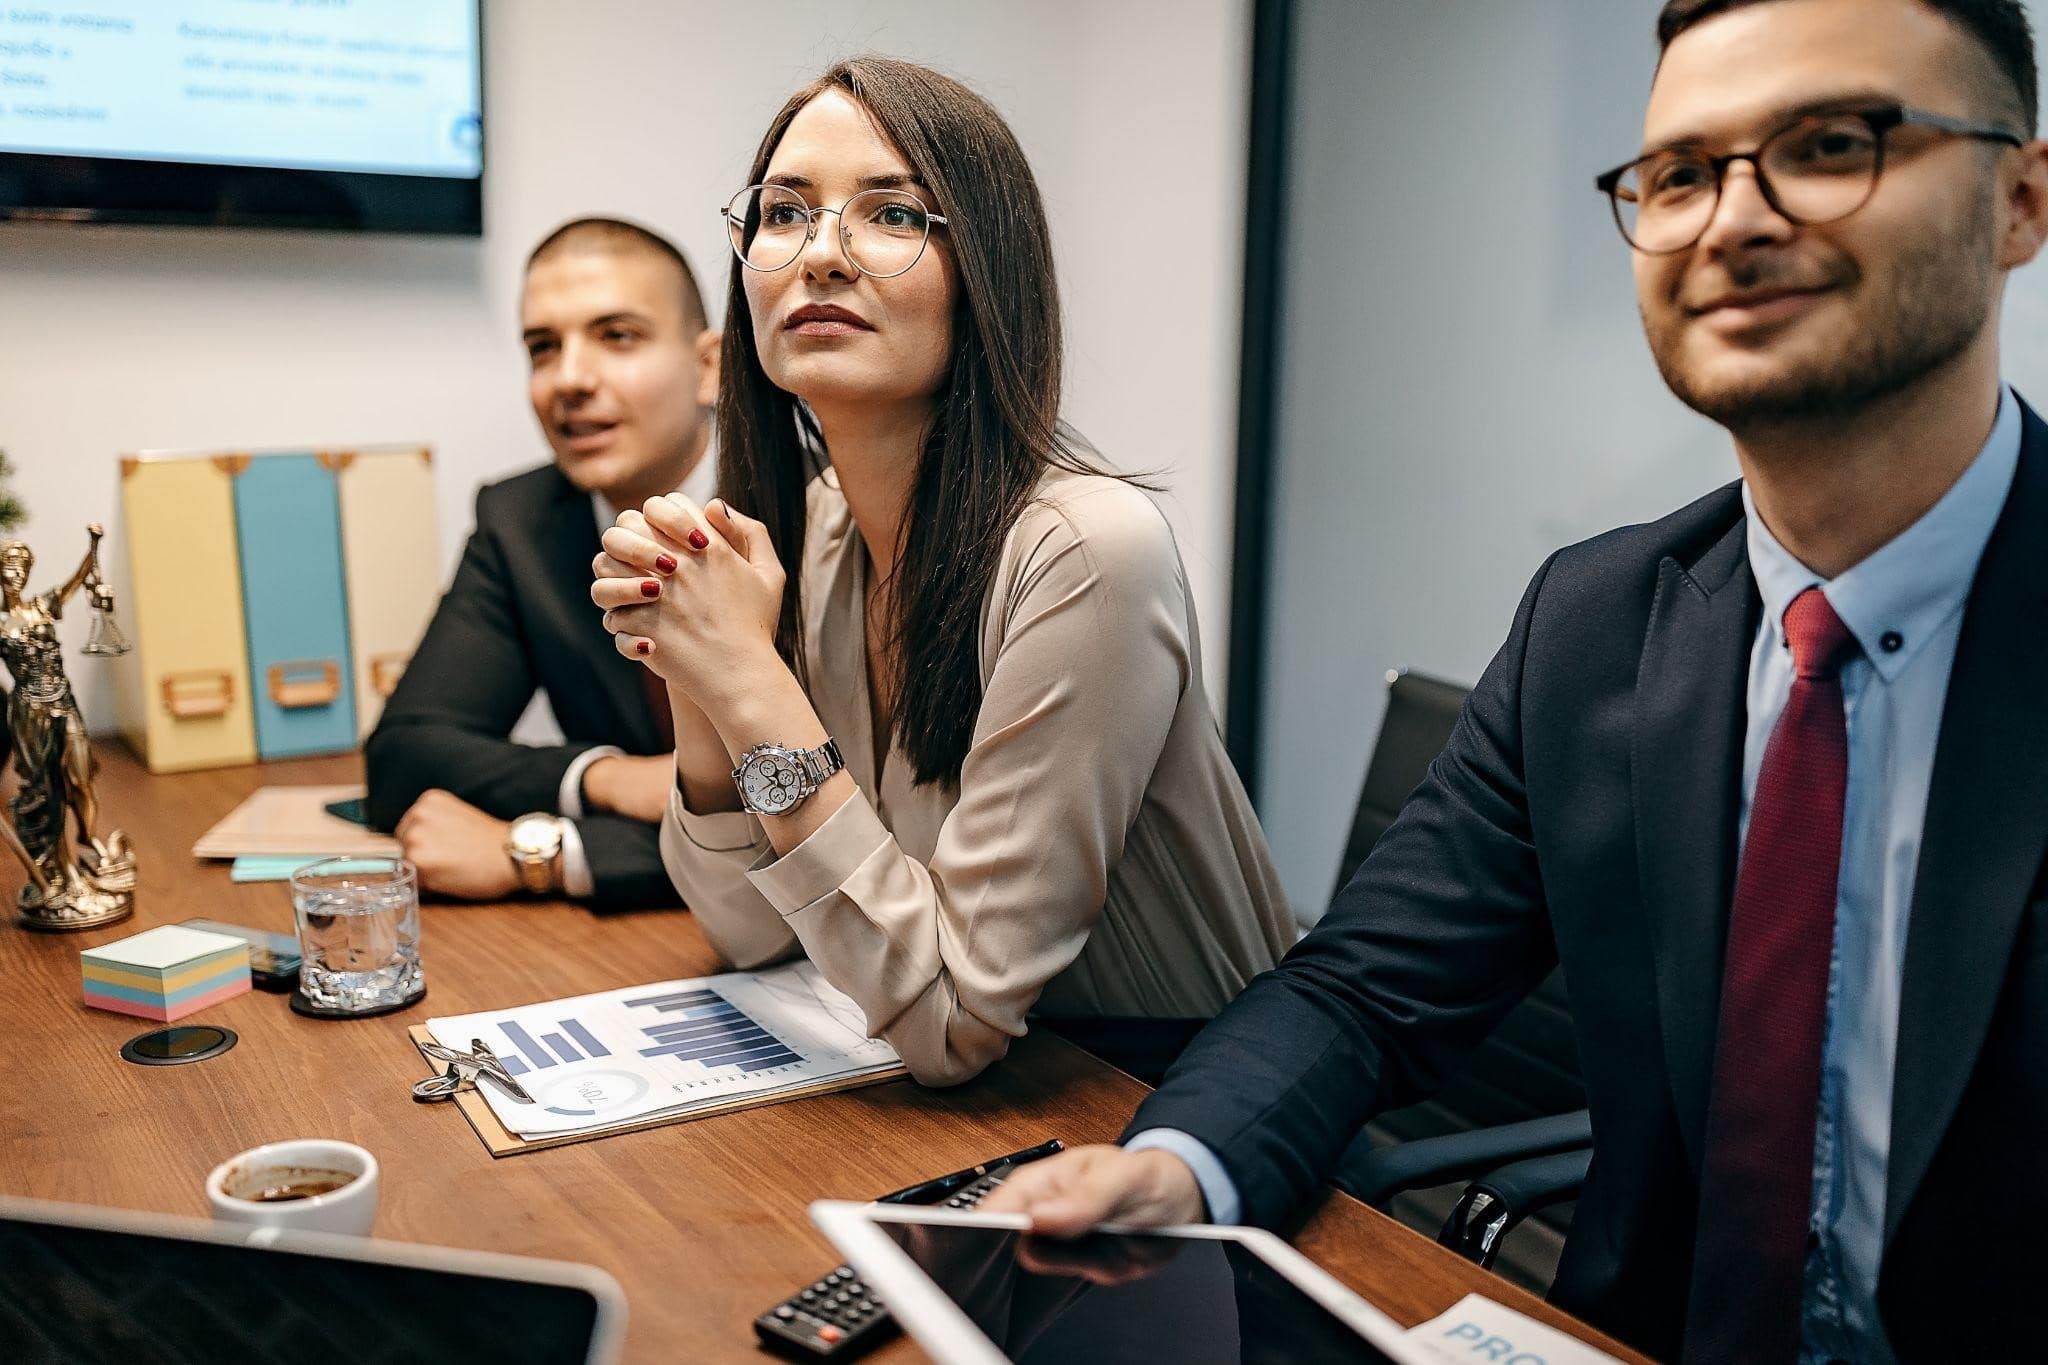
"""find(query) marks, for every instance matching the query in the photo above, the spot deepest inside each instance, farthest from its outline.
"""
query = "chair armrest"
(1494, 1203)
(1376, 1175)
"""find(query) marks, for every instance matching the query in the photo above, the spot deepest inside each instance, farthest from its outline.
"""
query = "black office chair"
(1513, 1120)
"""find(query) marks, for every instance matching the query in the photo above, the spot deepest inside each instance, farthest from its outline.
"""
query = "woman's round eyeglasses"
(1816, 169)
(882, 232)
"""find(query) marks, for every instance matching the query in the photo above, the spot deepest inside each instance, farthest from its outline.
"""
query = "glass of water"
(359, 934)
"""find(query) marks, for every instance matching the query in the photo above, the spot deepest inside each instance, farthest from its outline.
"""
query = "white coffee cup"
(236, 1187)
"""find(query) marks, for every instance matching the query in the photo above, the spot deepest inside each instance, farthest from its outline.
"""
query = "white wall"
(119, 339)
(1465, 387)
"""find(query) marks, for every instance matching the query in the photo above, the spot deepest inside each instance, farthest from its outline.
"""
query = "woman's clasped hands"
(695, 593)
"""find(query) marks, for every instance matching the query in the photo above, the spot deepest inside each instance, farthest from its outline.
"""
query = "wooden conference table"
(703, 1223)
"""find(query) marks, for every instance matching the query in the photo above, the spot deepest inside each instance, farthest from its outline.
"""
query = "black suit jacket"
(518, 618)
(1585, 809)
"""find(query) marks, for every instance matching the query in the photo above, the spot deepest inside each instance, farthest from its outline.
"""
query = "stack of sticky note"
(165, 973)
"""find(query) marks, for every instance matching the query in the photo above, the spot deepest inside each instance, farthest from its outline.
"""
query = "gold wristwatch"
(534, 844)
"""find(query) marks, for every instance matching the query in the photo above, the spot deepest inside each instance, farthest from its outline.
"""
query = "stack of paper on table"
(165, 973)
(654, 1054)
(293, 820)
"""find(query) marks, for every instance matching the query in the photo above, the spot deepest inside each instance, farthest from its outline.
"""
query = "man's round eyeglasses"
(882, 232)
(1816, 169)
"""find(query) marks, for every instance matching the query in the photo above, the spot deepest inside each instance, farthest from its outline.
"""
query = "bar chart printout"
(620, 1057)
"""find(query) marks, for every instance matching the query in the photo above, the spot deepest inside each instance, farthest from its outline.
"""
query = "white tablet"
(976, 1289)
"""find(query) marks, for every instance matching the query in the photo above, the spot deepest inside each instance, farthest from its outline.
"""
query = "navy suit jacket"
(518, 619)
(1585, 810)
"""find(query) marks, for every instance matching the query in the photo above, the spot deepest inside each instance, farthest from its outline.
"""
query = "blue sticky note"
(269, 868)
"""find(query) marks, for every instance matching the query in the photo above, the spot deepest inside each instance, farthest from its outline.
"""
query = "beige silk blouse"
(1098, 856)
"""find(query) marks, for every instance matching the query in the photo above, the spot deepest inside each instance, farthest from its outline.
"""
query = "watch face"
(771, 783)
(536, 837)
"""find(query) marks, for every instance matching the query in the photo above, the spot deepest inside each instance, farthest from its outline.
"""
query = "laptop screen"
(89, 1293)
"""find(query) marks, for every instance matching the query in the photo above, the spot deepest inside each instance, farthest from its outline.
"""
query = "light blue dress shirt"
(1904, 604)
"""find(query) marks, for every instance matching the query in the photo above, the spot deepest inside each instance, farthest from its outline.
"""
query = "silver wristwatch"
(775, 781)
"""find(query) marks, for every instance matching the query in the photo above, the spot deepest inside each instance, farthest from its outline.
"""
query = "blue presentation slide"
(390, 86)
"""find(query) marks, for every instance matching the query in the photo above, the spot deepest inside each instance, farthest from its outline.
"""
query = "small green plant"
(12, 513)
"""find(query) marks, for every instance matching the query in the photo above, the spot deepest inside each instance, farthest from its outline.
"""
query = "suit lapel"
(1987, 821)
(1687, 775)
(566, 542)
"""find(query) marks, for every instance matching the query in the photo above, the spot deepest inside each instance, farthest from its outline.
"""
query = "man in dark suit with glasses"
(1767, 776)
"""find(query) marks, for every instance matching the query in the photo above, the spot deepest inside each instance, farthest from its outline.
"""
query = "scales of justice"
(80, 881)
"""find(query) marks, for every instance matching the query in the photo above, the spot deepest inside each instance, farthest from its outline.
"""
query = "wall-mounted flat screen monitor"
(348, 114)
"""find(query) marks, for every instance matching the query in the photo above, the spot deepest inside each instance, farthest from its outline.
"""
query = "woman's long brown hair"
(995, 427)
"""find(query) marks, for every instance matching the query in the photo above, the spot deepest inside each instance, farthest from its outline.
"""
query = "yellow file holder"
(192, 707)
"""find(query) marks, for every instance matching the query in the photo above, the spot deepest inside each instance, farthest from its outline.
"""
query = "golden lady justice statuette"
(72, 884)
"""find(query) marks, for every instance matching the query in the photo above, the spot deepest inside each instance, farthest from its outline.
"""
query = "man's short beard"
(1938, 309)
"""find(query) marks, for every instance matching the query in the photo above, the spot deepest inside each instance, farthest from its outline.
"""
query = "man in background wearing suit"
(624, 377)
(1769, 776)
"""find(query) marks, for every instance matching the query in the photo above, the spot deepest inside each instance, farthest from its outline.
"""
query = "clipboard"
(501, 1141)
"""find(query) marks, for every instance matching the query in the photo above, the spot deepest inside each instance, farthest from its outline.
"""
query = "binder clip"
(466, 1069)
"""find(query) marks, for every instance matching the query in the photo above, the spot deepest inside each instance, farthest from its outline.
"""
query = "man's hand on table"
(459, 850)
(1066, 1195)
(630, 785)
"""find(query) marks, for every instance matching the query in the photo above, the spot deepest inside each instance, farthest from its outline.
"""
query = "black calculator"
(835, 1317)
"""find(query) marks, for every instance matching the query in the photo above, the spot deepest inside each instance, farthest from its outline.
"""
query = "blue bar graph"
(575, 1043)
(711, 1031)
(681, 1001)
(718, 1021)
(536, 1055)
(716, 1051)
(591, 1046)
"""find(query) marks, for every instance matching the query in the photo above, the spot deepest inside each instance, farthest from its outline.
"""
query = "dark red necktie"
(1756, 1180)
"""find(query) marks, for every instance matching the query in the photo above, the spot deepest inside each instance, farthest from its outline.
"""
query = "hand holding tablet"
(978, 1289)
(1066, 1195)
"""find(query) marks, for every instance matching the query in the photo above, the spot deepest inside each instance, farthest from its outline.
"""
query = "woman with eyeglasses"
(937, 688)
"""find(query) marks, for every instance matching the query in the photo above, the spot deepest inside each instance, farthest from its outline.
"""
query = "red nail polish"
(643, 647)
(649, 588)
(698, 540)
(665, 562)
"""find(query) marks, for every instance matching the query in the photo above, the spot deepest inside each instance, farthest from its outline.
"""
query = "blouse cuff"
(822, 863)
(725, 831)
